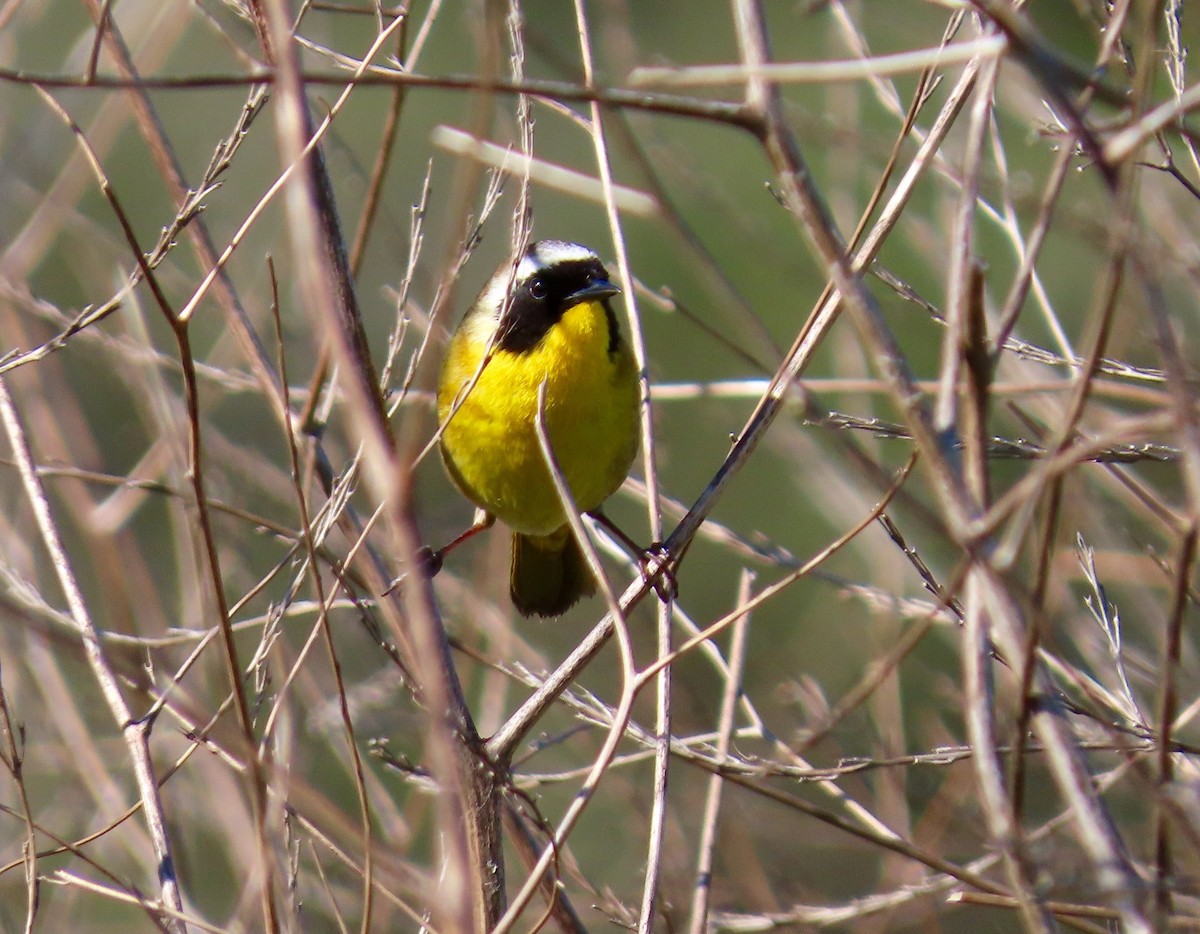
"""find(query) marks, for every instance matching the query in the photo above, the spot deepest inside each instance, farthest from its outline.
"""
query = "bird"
(545, 319)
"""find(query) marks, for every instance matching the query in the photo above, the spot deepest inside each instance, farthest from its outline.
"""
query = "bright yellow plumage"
(490, 442)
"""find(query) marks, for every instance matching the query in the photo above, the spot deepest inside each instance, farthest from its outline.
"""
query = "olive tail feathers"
(549, 574)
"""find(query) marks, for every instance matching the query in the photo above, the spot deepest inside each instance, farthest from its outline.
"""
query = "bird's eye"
(537, 288)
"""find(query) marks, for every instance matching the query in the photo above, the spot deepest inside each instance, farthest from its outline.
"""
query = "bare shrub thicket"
(914, 288)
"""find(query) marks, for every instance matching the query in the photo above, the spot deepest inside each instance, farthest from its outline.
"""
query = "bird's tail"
(549, 573)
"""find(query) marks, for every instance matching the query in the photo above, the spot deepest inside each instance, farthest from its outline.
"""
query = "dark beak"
(595, 291)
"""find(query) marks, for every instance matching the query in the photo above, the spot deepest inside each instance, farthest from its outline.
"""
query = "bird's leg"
(654, 561)
(429, 561)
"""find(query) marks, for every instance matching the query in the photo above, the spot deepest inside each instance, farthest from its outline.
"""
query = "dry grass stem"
(912, 292)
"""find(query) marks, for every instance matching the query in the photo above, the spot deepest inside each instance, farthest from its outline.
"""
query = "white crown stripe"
(550, 252)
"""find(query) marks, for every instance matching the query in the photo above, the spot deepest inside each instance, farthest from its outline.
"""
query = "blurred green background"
(737, 264)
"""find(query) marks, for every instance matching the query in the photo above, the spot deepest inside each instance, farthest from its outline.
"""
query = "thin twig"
(702, 888)
(136, 733)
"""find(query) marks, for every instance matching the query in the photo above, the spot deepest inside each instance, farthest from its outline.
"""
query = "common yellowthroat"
(546, 321)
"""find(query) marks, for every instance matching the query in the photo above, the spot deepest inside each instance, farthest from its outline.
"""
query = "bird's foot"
(428, 561)
(655, 564)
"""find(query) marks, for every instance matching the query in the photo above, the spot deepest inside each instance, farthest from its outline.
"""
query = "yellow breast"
(490, 444)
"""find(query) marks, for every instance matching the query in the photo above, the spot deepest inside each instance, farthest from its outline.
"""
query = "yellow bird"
(548, 320)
